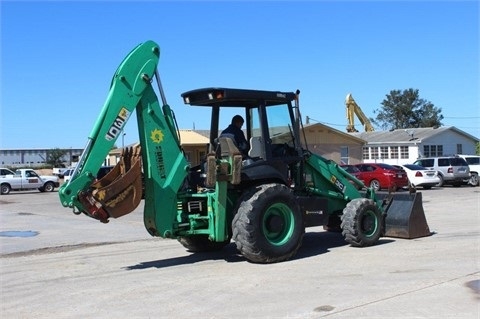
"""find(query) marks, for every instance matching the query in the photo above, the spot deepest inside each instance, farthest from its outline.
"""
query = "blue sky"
(58, 57)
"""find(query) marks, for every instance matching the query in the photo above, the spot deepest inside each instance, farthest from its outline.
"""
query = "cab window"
(280, 127)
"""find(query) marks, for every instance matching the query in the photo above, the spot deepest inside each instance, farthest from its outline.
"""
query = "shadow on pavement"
(314, 244)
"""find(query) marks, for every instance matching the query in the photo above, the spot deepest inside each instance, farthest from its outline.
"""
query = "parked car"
(420, 176)
(27, 179)
(104, 170)
(451, 169)
(67, 174)
(474, 165)
(382, 176)
(354, 171)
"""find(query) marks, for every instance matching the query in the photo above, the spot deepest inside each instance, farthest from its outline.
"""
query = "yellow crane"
(353, 108)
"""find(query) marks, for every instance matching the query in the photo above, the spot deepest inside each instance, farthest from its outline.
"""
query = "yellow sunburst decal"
(157, 136)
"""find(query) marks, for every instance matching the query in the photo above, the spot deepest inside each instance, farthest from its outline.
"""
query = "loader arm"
(329, 180)
(164, 164)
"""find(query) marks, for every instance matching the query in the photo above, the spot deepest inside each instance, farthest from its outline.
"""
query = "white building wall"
(447, 143)
(450, 141)
(31, 157)
(398, 154)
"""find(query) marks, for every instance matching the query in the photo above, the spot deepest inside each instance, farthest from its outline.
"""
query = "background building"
(404, 146)
(392, 147)
(35, 157)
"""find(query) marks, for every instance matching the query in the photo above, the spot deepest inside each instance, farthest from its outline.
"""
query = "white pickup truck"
(58, 171)
(25, 179)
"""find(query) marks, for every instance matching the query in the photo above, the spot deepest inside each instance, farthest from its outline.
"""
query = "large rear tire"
(201, 243)
(362, 222)
(268, 226)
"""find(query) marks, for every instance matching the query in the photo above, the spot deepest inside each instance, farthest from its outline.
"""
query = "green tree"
(54, 157)
(407, 110)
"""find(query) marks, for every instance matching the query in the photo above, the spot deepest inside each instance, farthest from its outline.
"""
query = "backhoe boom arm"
(164, 164)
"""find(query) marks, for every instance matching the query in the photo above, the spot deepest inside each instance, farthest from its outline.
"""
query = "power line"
(461, 117)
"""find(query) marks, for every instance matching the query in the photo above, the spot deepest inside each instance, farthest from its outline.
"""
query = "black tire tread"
(246, 226)
(351, 220)
(201, 243)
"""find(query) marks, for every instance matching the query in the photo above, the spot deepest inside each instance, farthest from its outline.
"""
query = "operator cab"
(269, 127)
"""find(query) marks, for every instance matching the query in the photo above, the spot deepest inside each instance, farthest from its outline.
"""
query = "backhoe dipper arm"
(164, 164)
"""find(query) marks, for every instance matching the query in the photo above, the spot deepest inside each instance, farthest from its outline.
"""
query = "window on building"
(439, 150)
(384, 152)
(426, 150)
(432, 150)
(394, 152)
(344, 155)
(366, 153)
(188, 156)
(459, 149)
(403, 152)
(374, 152)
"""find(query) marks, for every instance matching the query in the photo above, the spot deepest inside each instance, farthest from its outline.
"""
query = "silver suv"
(474, 165)
(451, 169)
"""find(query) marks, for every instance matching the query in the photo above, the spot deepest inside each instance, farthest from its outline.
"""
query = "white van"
(451, 169)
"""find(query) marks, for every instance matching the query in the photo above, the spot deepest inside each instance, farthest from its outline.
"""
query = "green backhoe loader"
(263, 199)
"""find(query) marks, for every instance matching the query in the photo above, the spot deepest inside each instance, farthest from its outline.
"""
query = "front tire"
(362, 222)
(268, 226)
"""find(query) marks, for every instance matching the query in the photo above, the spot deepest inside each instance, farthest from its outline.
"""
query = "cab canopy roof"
(235, 97)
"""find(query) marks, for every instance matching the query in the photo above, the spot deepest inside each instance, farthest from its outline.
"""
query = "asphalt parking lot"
(55, 264)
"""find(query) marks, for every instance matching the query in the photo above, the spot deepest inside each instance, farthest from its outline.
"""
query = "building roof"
(410, 135)
(187, 138)
(191, 137)
(206, 133)
(347, 135)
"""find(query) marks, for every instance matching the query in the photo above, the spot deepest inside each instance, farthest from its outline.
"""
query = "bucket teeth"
(120, 191)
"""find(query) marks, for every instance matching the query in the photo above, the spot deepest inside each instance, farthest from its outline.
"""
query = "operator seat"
(256, 149)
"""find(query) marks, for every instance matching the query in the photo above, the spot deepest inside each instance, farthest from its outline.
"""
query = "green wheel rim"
(278, 224)
(369, 223)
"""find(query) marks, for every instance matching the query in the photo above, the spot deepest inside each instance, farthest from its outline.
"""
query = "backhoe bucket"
(406, 218)
(120, 191)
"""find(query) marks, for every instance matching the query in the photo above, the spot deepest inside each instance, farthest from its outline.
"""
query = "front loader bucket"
(406, 218)
(120, 191)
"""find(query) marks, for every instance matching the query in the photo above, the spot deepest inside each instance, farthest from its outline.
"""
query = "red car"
(354, 171)
(382, 176)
